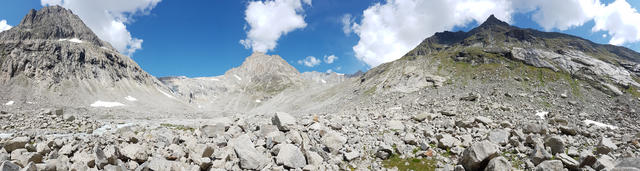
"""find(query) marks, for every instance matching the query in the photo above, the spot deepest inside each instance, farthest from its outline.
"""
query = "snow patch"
(258, 100)
(100, 103)
(542, 114)
(133, 99)
(74, 40)
(237, 77)
(5, 135)
(9, 103)
(108, 128)
(599, 124)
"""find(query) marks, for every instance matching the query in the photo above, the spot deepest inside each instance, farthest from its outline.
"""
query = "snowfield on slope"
(100, 103)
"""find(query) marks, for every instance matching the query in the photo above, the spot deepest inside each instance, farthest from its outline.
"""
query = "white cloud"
(388, 30)
(108, 18)
(329, 71)
(271, 19)
(347, 21)
(4, 26)
(309, 61)
(620, 20)
(330, 59)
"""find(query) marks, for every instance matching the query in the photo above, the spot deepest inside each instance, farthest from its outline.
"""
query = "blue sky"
(201, 37)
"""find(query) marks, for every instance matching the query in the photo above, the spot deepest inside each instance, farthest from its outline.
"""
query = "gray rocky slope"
(495, 98)
(52, 58)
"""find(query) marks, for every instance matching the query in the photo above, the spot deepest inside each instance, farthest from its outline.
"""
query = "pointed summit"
(493, 21)
(52, 23)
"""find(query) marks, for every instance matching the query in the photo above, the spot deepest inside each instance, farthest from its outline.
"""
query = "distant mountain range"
(51, 57)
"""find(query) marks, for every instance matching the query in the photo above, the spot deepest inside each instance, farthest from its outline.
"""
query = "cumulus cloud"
(108, 19)
(330, 59)
(620, 20)
(4, 26)
(309, 61)
(388, 30)
(269, 20)
(346, 21)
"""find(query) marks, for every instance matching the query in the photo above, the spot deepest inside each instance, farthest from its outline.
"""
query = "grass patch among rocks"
(410, 163)
(177, 127)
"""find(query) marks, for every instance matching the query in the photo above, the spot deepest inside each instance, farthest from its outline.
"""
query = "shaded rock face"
(52, 23)
(53, 45)
(52, 57)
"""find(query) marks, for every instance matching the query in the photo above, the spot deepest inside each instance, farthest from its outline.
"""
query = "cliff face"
(52, 54)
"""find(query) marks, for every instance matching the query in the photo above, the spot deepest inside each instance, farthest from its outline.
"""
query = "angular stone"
(198, 151)
(313, 158)
(483, 120)
(290, 156)
(568, 130)
(424, 116)
(604, 162)
(567, 161)
(16, 143)
(556, 143)
(410, 139)
(534, 128)
(539, 154)
(213, 130)
(24, 157)
(499, 164)
(478, 155)
(351, 155)
(384, 151)
(605, 146)
(499, 136)
(8, 166)
(135, 152)
(249, 157)
(333, 141)
(550, 165)
(395, 125)
(42, 148)
(446, 141)
(283, 121)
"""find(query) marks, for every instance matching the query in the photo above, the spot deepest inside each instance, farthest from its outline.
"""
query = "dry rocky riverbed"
(49, 139)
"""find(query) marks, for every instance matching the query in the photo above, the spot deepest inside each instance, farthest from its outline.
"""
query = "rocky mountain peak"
(493, 21)
(52, 23)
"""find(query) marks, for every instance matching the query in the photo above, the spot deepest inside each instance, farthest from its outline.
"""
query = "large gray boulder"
(498, 164)
(567, 160)
(333, 141)
(556, 143)
(8, 166)
(499, 136)
(249, 157)
(532, 128)
(135, 152)
(539, 154)
(605, 146)
(290, 156)
(283, 121)
(478, 155)
(16, 143)
(550, 165)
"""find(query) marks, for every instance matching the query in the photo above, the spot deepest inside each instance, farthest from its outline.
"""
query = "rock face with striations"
(53, 56)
